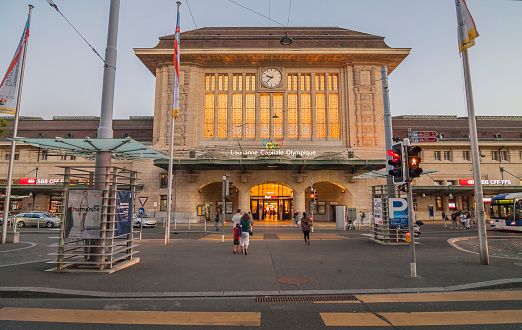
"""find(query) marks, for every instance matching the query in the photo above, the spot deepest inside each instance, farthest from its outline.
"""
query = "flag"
(467, 30)
(9, 85)
(175, 94)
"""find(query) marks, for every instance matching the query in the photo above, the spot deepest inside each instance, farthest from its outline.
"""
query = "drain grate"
(303, 299)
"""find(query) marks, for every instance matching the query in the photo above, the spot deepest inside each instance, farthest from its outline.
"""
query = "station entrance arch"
(271, 202)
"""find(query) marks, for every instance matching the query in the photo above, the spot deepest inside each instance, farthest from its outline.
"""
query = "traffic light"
(396, 168)
(230, 187)
(315, 195)
(227, 188)
(175, 113)
(414, 171)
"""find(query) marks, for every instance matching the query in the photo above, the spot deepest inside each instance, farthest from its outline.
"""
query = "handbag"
(250, 232)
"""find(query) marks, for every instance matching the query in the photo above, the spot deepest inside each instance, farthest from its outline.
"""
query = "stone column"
(299, 201)
(244, 200)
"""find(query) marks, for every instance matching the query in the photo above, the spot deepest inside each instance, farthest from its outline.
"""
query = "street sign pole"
(413, 258)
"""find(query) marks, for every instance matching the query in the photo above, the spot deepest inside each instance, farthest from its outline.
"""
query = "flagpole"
(13, 142)
(175, 109)
(479, 200)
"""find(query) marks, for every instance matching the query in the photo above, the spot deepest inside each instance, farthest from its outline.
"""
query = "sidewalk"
(336, 262)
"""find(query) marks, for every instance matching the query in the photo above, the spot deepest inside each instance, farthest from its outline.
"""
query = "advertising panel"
(377, 211)
(85, 214)
(123, 216)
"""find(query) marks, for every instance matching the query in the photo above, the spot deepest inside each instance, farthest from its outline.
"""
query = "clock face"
(271, 77)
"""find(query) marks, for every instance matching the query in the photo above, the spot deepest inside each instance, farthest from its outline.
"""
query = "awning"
(300, 165)
(122, 149)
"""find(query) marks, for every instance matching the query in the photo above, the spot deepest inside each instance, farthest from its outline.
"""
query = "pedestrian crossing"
(283, 237)
(371, 316)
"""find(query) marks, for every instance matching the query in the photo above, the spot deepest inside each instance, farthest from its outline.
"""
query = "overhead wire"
(190, 11)
(52, 4)
(256, 12)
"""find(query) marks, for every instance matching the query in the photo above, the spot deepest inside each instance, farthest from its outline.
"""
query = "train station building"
(279, 110)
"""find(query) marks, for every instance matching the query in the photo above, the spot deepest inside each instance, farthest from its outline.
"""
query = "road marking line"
(130, 317)
(433, 297)
(353, 320)
(442, 296)
(423, 318)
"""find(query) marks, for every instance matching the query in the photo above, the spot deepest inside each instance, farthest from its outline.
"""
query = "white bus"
(506, 212)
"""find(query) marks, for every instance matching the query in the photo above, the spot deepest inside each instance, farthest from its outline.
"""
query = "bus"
(506, 211)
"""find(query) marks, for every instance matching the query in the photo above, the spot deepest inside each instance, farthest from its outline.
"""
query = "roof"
(269, 37)
(489, 128)
(317, 46)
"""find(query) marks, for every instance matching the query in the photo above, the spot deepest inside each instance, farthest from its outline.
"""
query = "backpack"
(240, 231)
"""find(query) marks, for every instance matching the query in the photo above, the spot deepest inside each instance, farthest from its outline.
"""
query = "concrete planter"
(13, 237)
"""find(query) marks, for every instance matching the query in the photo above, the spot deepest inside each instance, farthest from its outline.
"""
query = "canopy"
(122, 149)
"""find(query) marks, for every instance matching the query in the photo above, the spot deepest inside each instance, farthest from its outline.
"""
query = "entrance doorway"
(271, 202)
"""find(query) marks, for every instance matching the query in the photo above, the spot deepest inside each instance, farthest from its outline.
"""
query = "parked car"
(10, 219)
(143, 220)
(37, 219)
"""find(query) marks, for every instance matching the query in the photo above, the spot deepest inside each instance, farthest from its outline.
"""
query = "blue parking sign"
(398, 211)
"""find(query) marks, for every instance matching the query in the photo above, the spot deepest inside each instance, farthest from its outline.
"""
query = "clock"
(271, 77)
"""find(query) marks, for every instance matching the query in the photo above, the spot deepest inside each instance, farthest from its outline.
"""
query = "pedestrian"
(454, 220)
(462, 217)
(295, 218)
(237, 236)
(216, 219)
(363, 215)
(306, 224)
(246, 227)
(236, 218)
(443, 215)
(468, 219)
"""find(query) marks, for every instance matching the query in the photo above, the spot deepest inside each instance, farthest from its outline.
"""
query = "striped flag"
(467, 30)
(9, 85)
(175, 94)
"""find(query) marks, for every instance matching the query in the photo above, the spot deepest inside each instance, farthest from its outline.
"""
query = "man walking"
(236, 218)
(363, 215)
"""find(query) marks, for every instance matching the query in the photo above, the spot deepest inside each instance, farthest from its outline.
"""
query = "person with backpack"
(306, 224)
(363, 215)
(246, 228)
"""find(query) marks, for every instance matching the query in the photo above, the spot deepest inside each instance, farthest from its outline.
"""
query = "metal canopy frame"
(123, 149)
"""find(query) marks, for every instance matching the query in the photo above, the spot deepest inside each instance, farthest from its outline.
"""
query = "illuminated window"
(163, 203)
(237, 115)
(264, 115)
(320, 115)
(292, 82)
(305, 82)
(250, 116)
(333, 115)
(250, 82)
(306, 117)
(293, 124)
(222, 116)
(164, 180)
(319, 82)
(210, 82)
(278, 116)
(237, 82)
(223, 82)
(332, 82)
(209, 116)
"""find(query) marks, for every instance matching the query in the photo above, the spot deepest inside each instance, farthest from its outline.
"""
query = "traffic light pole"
(411, 227)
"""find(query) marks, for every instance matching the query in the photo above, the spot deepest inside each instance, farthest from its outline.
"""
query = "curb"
(41, 292)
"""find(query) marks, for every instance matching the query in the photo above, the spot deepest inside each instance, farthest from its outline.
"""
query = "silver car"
(144, 221)
(37, 220)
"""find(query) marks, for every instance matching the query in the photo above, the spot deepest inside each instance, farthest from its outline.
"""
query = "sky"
(63, 76)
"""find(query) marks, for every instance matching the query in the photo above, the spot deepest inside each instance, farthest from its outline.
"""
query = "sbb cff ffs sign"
(27, 181)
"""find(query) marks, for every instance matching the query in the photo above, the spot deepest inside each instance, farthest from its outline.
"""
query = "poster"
(85, 213)
(377, 211)
(123, 216)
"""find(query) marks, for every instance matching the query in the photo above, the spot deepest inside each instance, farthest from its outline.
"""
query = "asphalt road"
(197, 281)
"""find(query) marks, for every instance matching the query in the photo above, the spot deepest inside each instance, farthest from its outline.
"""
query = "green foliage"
(3, 123)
